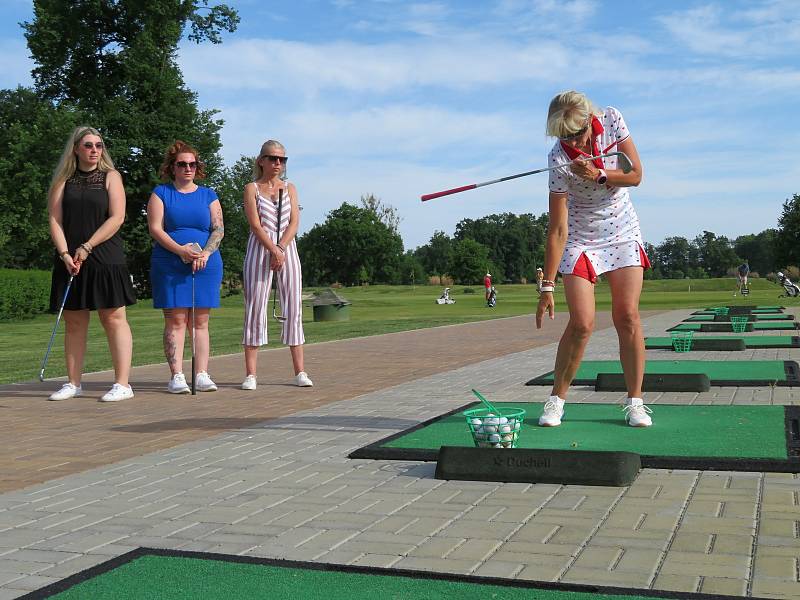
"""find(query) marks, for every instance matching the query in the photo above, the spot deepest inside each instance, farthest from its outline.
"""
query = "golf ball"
(476, 422)
(494, 438)
(505, 429)
(502, 420)
(492, 421)
(490, 428)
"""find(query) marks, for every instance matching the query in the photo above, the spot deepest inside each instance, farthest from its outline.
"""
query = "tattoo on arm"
(217, 231)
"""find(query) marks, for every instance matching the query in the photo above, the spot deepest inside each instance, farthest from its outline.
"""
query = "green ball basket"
(739, 323)
(721, 310)
(682, 341)
(492, 430)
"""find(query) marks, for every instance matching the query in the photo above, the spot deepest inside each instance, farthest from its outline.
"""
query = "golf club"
(623, 162)
(278, 317)
(194, 373)
(53, 335)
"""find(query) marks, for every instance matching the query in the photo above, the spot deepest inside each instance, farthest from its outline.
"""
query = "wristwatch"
(601, 177)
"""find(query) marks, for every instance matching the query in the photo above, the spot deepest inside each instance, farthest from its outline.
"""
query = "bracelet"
(282, 248)
(547, 288)
(61, 254)
(87, 247)
(548, 282)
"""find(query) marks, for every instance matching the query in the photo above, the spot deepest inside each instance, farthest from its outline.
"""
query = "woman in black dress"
(86, 204)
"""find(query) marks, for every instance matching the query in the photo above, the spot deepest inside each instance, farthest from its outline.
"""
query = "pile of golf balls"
(492, 431)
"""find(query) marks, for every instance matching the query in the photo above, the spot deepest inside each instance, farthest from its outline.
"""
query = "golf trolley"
(491, 301)
(790, 289)
(445, 297)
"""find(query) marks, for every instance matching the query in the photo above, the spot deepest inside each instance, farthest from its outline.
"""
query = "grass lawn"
(375, 310)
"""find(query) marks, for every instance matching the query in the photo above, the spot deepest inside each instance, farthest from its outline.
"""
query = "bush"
(23, 294)
(469, 290)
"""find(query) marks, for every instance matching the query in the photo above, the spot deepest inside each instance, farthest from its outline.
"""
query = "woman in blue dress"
(185, 220)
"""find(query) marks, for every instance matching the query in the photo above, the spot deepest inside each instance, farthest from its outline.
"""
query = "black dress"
(103, 281)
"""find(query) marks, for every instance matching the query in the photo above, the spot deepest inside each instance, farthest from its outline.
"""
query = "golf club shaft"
(473, 186)
(194, 372)
(55, 328)
(277, 241)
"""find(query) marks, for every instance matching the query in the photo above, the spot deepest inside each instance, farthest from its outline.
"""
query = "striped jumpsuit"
(258, 279)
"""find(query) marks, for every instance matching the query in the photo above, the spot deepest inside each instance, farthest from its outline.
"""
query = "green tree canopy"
(115, 62)
(758, 250)
(352, 246)
(716, 254)
(470, 262)
(787, 248)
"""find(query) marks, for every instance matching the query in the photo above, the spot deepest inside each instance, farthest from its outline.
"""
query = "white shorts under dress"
(602, 222)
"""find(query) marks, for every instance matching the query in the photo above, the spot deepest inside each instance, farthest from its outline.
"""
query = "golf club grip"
(448, 192)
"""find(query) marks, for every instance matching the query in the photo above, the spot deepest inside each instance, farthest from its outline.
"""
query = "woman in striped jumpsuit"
(268, 251)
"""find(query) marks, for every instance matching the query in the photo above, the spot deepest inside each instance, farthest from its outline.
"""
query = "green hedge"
(23, 294)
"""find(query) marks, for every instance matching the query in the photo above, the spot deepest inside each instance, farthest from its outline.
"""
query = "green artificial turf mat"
(754, 432)
(751, 342)
(176, 575)
(720, 372)
(763, 326)
(752, 317)
(759, 307)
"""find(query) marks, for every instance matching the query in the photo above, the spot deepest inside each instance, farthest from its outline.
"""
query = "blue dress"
(187, 219)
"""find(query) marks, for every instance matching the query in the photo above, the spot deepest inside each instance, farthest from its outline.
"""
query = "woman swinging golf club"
(270, 203)
(593, 230)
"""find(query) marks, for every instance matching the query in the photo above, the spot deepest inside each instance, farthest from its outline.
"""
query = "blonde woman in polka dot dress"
(593, 230)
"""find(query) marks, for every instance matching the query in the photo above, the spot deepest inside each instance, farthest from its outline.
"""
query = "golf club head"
(41, 375)
(624, 163)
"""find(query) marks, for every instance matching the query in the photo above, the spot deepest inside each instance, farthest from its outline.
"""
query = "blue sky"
(400, 98)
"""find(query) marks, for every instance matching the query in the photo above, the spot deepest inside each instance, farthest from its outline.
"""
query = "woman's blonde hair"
(569, 113)
(257, 170)
(69, 163)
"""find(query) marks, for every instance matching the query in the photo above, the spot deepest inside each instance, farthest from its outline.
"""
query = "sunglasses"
(90, 145)
(575, 135)
(276, 159)
(184, 165)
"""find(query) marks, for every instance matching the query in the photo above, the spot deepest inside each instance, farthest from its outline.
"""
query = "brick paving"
(280, 485)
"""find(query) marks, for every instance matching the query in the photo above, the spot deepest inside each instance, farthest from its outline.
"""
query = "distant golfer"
(593, 229)
(742, 271)
(539, 278)
(487, 285)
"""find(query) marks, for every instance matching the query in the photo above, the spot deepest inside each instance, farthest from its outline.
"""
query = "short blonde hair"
(569, 113)
(258, 171)
(69, 163)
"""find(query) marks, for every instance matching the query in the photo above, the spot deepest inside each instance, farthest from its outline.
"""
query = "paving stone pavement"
(286, 489)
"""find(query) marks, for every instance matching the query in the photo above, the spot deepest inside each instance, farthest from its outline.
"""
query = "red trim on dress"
(583, 268)
(597, 130)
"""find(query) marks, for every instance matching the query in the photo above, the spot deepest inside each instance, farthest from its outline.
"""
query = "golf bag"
(445, 297)
(790, 289)
(491, 301)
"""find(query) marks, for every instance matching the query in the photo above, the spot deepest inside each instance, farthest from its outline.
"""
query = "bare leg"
(76, 326)
(626, 288)
(251, 360)
(175, 320)
(202, 347)
(297, 358)
(120, 341)
(580, 300)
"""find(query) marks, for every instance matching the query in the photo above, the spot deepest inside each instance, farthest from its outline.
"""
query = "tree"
(352, 246)
(675, 256)
(716, 254)
(30, 126)
(115, 62)
(437, 254)
(229, 184)
(470, 261)
(787, 249)
(758, 250)
(386, 213)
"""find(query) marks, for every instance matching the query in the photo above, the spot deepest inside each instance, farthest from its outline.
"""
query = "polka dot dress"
(602, 221)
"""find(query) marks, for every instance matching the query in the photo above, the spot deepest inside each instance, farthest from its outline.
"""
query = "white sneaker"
(636, 413)
(302, 380)
(177, 385)
(552, 413)
(249, 383)
(117, 392)
(66, 392)
(204, 383)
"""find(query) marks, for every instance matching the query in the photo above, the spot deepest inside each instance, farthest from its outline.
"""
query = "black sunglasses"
(90, 145)
(575, 135)
(183, 164)
(276, 159)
